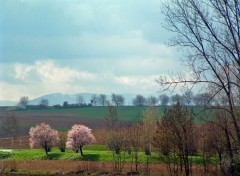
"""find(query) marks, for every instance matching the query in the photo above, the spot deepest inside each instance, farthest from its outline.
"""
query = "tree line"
(187, 98)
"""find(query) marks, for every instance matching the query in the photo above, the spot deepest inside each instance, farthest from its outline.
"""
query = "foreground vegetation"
(91, 153)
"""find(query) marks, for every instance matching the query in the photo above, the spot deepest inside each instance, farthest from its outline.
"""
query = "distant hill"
(8, 103)
(59, 98)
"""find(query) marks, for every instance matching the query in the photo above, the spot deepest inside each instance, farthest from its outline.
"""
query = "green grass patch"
(125, 113)
(91, 153)
(4, 155)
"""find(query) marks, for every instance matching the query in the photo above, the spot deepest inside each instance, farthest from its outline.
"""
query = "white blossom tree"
(43, 136)
(79, 136)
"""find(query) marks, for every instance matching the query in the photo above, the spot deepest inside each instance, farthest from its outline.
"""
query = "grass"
(91, 153)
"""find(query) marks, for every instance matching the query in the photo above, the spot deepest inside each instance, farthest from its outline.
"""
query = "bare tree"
(174, 136)
(94, 100)
(202, 99)
(187, 97)
(111, 117)
(62, 141)
(152, 101)
(117, 143)
(10, 125)
(23, 102)
(102, 99)
(210, 33)
(65, 104)
(176, 99)
(135, 133)
(80, 100)
(118, 100)
(44, 103)
(164, 99)
(148, 128)
(216, 143)
(139, 100)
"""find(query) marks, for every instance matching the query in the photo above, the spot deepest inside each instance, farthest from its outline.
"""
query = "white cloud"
(43, 77)
(138, 84)
(49, 76)
(22, 71)
(49, 71)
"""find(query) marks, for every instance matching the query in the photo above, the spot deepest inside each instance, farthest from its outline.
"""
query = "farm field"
(93, 117)
(96, 156)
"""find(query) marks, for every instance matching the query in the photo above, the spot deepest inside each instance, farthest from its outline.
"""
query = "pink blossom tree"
(43, 136)
(79, 136)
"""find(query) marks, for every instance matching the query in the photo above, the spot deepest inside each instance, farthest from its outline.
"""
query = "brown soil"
(65, 167)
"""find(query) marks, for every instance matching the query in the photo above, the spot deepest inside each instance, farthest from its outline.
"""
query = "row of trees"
(102, 100)
(187, 98)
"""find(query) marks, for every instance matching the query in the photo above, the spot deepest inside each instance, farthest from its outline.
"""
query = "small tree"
(44, 103)
(148, 130)
(111, 117)
(174, 134)
(43, 136)
(80, 100)
(164, 99)
(102, 100)
(23, 102)
(65, 104)
(10, 125)
(62, 141)
(79, 136)
(134, 135)
(139, 100)
(176, 99)
(116, 142)
(118, 100)
(152, 101)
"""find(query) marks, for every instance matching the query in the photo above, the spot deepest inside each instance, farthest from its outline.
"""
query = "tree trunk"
(12, 142)
(46, 150)
(81, 151)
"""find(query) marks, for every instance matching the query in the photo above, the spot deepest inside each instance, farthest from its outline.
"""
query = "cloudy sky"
(74, 46)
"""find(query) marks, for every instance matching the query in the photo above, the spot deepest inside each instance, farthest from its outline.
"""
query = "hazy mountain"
(8, 103)
(59, 98)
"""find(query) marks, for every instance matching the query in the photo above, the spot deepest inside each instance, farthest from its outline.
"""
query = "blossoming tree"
(79, 136)
(43, 136)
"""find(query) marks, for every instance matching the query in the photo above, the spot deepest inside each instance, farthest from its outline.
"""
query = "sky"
(77, 46)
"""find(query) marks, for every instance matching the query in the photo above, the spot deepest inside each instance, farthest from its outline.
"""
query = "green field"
(125, 113)
(91, 153)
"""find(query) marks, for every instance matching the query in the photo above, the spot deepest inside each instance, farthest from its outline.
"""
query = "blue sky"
(74, 46)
